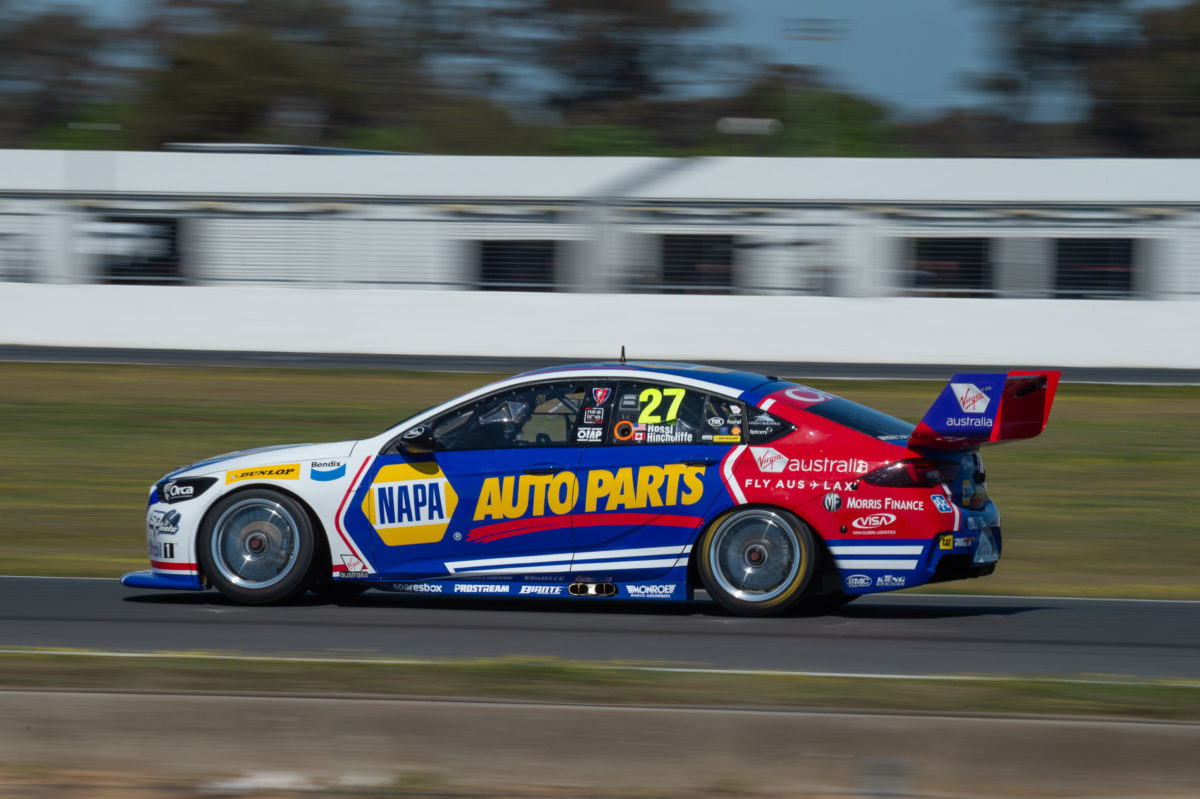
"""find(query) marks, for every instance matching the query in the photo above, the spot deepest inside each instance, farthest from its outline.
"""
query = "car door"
(494, 497)
(651, 486)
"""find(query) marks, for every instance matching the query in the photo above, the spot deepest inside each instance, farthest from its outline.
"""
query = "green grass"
(545, 680)
(1105, 503)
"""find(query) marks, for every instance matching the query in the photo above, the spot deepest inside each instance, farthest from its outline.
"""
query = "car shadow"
(701, 606)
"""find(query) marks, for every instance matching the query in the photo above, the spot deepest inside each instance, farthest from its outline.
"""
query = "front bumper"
(154, 579)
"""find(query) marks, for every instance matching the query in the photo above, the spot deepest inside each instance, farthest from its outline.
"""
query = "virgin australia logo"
(769, 459)
(970, 397)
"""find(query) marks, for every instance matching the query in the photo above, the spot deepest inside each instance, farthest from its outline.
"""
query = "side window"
(724, 421)
(530, 416)
(765, 427)
(652, 413)
(599, 402)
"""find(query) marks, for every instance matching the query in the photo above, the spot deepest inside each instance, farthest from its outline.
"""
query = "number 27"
(651, 398)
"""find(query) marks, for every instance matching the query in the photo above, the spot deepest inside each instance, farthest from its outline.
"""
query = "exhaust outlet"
(592, 589)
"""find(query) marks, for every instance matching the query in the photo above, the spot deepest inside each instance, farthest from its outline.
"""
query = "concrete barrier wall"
(590, 326)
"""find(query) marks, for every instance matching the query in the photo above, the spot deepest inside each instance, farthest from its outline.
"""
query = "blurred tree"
(602, 50)
(1146, 93)
(244, 85)
(1043, 46)
(49, 67)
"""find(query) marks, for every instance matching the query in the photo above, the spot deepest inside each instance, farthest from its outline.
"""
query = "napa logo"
(410, 503)
(602, 490)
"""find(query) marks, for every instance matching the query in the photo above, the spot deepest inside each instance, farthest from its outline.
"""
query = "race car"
(609, 481)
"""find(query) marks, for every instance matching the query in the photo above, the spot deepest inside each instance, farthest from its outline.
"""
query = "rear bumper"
(153, 579)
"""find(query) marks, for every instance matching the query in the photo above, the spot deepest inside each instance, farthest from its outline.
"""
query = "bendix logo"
(970, 397)
(769, 459)
(874, 521)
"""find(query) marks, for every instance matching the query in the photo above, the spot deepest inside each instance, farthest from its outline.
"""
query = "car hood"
(266, 456)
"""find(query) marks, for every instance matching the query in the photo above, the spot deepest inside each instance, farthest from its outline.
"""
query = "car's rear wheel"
(256, 547)
(757, 561)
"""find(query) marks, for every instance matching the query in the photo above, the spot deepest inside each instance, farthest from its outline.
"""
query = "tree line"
(570, 77)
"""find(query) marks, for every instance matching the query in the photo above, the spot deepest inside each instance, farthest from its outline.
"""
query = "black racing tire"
(257, 546)
(337, 590)
(758, 561)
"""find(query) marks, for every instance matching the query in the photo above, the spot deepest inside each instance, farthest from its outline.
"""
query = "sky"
(912, 56)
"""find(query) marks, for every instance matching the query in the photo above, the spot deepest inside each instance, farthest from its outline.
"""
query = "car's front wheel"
(757, 561)
(256, 547)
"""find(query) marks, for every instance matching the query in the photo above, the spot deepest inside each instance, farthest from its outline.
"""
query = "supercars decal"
(410, 503)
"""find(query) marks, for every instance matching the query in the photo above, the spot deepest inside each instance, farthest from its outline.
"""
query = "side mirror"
(418, 440)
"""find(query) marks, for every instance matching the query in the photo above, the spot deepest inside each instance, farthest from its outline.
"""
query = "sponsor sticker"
(941, 503)
(480, 588)
(417, 588)
(946, 541)
(542, 590)
(629, 402)
(768, 459)
(970, 397)
(715, 422)
(651, 591)
(833, 502)
(964, 541)
(593, 416)
(178, 492)
(874, 521)
(410, 503)
(163, 522)
(890, 581)
(807, 395)
(589, 434)
(626, 488)
(415, 432)
(354, 566)
(325, 471)
(290, 471)
(600, 395)
(858, 581)
(719, 439)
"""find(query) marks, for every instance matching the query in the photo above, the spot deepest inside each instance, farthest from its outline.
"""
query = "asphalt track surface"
(494, 365)
(893, 634)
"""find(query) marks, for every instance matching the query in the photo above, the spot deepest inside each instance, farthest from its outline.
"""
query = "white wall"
(593, 326)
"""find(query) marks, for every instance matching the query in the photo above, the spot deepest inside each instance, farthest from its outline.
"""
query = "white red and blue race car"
(607, 480)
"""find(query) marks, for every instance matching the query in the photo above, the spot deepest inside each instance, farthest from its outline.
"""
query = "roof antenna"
(622, 354)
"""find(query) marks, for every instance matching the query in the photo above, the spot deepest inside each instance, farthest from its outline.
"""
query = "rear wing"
(987, 408)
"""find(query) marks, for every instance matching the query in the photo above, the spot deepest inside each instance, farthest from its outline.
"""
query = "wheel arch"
(824, 557)
(321, 554)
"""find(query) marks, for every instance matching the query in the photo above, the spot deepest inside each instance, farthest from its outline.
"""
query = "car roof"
(730, 379)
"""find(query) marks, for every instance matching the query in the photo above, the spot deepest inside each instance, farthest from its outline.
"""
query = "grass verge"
(562, 681)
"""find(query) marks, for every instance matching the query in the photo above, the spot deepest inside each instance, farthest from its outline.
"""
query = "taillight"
(913, 473)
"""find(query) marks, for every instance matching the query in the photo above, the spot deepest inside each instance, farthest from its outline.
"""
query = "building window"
(697, 264)
(138, 249)
(520, 265)
(951, 267)
(1089, 268)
